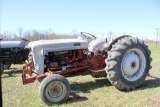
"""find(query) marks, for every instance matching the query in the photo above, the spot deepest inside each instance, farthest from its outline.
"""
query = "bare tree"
(111, 36)
(20, 31)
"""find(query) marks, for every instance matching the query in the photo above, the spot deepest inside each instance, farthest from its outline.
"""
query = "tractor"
(125, 62)
(12, 52)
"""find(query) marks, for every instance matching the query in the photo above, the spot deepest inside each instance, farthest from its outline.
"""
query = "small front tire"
(54, 89)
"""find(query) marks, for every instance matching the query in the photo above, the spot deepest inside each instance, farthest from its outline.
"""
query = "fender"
(115, 40)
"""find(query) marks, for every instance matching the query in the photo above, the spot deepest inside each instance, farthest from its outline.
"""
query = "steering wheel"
(88, 35)
(25, 40)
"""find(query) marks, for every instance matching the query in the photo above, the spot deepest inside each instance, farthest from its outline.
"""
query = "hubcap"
(133, 64)
(130, 64)
(56, 91)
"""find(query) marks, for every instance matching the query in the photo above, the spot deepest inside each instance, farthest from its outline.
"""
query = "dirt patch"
(153, 102)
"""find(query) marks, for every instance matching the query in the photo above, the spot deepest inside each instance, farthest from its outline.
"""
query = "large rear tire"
(128, 63)
(54, 89)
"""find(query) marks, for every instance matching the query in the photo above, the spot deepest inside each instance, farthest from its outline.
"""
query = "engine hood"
(58, 44)
(12, 44)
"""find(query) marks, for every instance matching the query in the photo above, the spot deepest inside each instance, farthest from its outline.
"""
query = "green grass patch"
(85, 90)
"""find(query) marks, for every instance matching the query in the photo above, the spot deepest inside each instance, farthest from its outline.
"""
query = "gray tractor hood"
(58, 45)
(12, 44)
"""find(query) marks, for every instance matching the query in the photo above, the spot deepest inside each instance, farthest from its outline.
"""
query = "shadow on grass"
(85, 88)
(91, 85)
(151, 83)
(11, 73)
(75, 98)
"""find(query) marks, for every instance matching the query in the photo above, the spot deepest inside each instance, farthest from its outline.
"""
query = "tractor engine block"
(63, 58)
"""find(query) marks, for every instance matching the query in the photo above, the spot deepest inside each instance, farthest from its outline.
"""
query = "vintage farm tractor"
(12, 52)
(125, 62)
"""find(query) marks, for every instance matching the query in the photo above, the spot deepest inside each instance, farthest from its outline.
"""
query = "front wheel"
(54, 89)
(128, 63)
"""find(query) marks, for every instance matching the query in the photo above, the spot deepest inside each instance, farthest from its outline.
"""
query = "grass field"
(85, 90)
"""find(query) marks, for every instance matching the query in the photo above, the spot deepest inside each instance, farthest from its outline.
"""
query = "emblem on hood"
(77, 44)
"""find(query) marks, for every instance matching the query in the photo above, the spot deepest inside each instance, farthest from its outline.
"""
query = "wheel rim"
(133, 64)
(56, 91)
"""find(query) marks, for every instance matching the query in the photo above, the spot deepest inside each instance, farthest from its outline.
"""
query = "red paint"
(27, 63)
(80, 54)
(81, 67)
(73, 58)
(55, 90)
(54, 64)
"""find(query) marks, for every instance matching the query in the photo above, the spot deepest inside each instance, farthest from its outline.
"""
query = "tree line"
(34, 35)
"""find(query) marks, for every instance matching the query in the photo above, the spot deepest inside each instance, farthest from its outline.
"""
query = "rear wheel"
(54, 89)
(128, 63)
